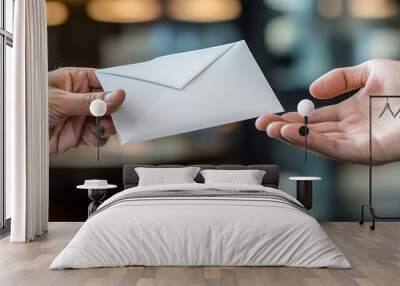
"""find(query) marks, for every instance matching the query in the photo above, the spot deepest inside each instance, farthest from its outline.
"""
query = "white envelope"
(188, 91)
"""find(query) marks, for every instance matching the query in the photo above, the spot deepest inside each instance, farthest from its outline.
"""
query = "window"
(6, 43)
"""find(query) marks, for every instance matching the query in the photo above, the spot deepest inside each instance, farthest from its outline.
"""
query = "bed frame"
(271, 177)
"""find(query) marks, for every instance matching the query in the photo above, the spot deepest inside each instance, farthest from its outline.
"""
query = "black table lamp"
(98, 108)
(305, 108)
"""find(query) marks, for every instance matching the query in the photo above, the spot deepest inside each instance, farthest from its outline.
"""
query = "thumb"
(339, 81)
(79, 103)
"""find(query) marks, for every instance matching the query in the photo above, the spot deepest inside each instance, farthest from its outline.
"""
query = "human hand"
(71, 90)
(341, 131)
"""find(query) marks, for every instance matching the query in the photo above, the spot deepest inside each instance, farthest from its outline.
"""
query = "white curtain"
(27, 124)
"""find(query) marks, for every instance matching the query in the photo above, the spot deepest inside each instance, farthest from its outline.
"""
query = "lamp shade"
(305, 107)
(98, 108)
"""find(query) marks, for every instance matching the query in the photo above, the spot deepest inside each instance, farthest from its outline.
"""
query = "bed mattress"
(201, 225)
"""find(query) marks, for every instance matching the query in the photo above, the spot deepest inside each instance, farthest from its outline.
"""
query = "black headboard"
(271, 177)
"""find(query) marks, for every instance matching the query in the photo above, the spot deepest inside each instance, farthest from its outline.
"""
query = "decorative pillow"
(164, 176)
(248, 177)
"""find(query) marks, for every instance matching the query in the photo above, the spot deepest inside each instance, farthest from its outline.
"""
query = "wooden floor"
(375, 257)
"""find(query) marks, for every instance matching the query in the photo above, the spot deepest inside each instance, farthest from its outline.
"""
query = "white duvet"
(200, 231)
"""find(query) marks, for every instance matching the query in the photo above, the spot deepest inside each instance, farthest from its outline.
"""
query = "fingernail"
(110, 96)
(256, 123)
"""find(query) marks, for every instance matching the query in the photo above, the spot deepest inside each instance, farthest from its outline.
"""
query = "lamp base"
(303, 130)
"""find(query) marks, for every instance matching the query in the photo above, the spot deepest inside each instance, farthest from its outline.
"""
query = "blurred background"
(293, 41)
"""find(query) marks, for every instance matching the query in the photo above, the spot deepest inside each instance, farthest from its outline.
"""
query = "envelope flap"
(175, 70)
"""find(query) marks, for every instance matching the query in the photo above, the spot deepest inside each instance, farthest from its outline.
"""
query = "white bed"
(185, 230)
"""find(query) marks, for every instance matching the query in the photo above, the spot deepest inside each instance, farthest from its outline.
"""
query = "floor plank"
(375, 257)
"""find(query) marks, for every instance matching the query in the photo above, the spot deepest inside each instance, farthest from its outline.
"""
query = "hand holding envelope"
(188, 91)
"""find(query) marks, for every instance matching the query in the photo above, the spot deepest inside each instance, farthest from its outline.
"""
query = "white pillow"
(164, 176)
(248, 177)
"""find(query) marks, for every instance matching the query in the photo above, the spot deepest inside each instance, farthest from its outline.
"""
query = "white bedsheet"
(200, 231)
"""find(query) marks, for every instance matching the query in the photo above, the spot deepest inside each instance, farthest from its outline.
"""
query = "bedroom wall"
(294, 42)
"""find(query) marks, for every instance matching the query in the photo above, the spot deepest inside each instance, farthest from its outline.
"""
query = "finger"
(105, 123)
(95, 89)
(323, 114)
(66, 134)
(293, 117)
(93, 81)
(79, 103)
(325, 127)
(274, 129)
(264, 120)
(89, 137)
(339, 81)
(337, 135)
(317, 142)
(317, 116)
(82, 79)
(108, 126)
(327, 113)
(74, 79)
